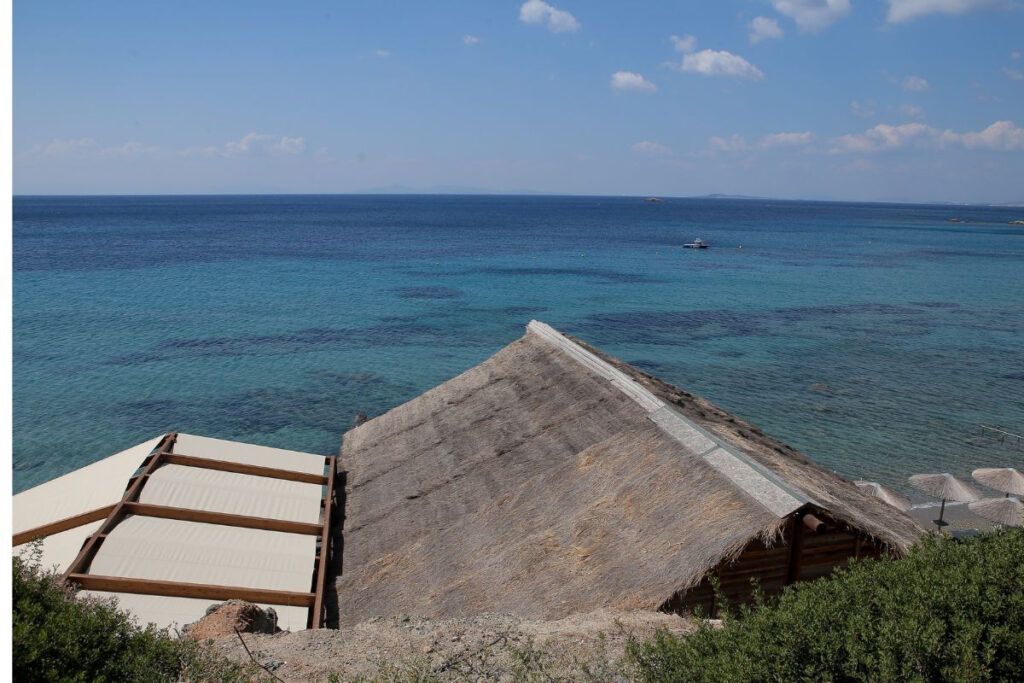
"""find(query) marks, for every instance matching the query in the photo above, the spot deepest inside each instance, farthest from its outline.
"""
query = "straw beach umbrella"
(1006, 511)
(884, 493)
(946, 487)
(1005, 479)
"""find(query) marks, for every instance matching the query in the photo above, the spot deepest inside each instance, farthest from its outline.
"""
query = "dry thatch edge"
(733, 427)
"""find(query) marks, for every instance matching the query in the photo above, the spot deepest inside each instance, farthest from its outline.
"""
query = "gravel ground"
(488, 647)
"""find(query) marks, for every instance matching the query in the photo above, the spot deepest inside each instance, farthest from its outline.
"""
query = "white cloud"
(540, 12)
(58, 147)
(288, 145)
(470, 40)
(907, 10)
(812, 16)
(733, 143)
(911, 111)
(129, 150)
(685, 44)
(652, 149)
(251, 144)
(382, 53)
(719, 63)
(883, 136)
(88, 148)
(257, 143)
(1004, 136)
(915, 84)
(627, 80)
(763, 28)
(1015, 54)
(786, 140)
(738, 143)
(1013, 74)
(863, 110)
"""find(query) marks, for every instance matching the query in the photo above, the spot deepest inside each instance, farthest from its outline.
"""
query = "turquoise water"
(875, 338)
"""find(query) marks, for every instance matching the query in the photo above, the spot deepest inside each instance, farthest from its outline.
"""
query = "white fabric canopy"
(60, 550)
(173, 550)
(232, 451)
(182, 551)
(93, 486)
(237, 494)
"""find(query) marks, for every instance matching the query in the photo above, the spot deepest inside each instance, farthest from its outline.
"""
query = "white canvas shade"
(194, 552)
(238, 494)
(93, 486)
(250, 454)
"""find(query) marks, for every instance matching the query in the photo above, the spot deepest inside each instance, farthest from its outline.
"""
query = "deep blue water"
(875, 338)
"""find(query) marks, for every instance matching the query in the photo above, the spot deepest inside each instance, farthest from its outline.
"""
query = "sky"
(864, 100)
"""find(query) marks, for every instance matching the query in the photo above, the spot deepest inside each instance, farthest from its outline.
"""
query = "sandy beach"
(961, 519)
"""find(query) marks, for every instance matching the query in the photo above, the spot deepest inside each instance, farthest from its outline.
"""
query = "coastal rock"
(225, 618)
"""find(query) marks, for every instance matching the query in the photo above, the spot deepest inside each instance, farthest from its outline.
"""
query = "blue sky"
(907, 100)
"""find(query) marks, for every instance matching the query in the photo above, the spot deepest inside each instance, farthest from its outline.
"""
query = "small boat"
(696, 244)
(654, 200)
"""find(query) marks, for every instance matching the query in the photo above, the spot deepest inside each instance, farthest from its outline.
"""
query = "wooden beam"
(222, 518)
(180, 589)
(88, 551)
(796, 547)
(325, 546)
(61, 525)
(814, 524)
(243, 468)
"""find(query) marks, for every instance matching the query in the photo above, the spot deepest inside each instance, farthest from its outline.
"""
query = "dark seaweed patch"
(680, 327)
(428, 292)
(604, 275)
(299, 341)
(327, 401)
(935, 304)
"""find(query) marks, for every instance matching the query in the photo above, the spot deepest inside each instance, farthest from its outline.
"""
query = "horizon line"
(713, 196)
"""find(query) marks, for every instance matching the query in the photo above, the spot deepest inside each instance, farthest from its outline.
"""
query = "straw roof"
(553, 479)
(945, 486)
(1005, 511)
(885, 494)
(1005, 479)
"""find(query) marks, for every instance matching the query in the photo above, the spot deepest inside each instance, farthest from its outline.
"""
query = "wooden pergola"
(78, 572)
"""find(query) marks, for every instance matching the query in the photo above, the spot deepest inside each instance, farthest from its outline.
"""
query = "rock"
(223, 619)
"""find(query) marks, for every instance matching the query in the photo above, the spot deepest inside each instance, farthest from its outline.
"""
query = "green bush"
(56, 637)
(948, 611)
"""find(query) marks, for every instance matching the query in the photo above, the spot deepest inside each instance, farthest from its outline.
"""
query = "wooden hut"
(554, 479)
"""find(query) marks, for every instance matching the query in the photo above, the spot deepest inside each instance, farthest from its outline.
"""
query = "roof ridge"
(760, 483)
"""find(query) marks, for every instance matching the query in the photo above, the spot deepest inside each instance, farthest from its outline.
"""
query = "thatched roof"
(945, 486)
(1005, 511)
(884, 494)
(552, 479)
(1005, 479)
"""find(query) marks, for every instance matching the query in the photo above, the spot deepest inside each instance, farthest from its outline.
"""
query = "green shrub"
(948, 611)
(56, 637)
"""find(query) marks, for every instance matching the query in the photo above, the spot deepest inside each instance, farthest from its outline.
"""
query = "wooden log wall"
(776, 566)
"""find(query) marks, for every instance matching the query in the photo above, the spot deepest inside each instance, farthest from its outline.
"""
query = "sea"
(875, 338)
